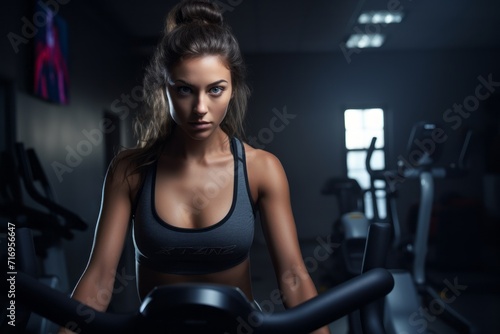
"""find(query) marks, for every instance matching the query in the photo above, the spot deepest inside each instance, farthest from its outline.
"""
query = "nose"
(200, 105)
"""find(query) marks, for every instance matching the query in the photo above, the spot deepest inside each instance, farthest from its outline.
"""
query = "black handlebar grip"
(331, 305)
(377, 247)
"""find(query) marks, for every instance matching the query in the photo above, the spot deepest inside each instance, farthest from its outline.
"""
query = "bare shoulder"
(265, 170)
(121, 171)
(120, 164)
(260, 160)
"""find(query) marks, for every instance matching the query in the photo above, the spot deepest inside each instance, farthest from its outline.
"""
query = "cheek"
(225, 103)
(227, 107)
(222, 109)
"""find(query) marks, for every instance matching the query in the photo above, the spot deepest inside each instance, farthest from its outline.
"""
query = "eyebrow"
(188, 84)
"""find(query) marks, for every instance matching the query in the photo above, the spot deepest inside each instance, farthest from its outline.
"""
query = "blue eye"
(217, 90)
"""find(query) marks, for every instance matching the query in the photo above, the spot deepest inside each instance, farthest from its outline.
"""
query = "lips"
(201, 122)
(200, 125)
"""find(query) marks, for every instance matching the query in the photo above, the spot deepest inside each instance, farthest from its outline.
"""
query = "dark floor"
(478, 298)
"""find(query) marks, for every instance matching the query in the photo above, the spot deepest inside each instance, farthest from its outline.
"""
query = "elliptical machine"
(405, 306)
(350, 230)
(402, 308)
(203, 308)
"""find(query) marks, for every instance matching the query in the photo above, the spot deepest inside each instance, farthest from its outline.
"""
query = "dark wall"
(103, 75)
(410, 86)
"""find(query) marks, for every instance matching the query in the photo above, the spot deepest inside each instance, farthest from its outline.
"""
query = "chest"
(178, 230)
(196, 196)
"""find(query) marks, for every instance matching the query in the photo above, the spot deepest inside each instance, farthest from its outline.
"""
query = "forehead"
(204, 69)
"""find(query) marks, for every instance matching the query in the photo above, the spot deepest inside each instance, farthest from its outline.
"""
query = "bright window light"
(361, 125)
(380, 17)
(365, 41)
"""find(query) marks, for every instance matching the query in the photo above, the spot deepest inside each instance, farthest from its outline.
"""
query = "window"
(361, 125)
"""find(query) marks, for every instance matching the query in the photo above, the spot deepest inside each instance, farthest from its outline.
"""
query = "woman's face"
(199, 90)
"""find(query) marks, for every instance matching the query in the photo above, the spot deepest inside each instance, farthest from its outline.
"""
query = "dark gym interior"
(440, 64)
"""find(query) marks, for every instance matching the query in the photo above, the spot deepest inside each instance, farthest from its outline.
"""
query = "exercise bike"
(198, 308)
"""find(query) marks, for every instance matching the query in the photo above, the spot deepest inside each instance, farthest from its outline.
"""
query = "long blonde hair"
(193, 28)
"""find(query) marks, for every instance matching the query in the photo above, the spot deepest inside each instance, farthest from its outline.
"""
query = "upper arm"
(96, 284)
(277, 217)
(113, 221)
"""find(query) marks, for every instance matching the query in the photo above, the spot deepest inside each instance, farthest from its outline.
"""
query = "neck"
(184, 147)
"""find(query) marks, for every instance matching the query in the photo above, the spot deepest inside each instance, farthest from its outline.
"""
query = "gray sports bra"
(185, 251)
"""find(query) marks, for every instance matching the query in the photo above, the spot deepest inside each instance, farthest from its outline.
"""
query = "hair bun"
(194, 11)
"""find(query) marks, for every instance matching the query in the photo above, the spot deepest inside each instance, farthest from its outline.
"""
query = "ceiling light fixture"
(362, 41)
(380, 17)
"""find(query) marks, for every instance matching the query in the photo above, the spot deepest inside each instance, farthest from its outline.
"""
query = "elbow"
(95, 290)
(296, 286)
(294, 278)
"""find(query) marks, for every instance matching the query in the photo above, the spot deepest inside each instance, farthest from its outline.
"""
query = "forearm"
(94, 292)
(297, 287)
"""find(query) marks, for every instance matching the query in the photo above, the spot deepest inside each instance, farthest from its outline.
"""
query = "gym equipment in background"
(21, 179)
(411, 290)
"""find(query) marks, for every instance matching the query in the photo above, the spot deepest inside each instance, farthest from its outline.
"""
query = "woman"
(192, 186)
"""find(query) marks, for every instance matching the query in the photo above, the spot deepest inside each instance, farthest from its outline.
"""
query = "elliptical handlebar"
(315, 313)
(72, 220)
(189, 308)
(369, 154)
(382, 174)
(374, 175)
(376, 250)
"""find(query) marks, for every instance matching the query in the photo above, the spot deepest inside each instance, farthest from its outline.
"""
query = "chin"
(200, 136)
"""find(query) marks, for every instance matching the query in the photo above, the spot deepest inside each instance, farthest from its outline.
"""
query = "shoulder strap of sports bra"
(238, 145)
